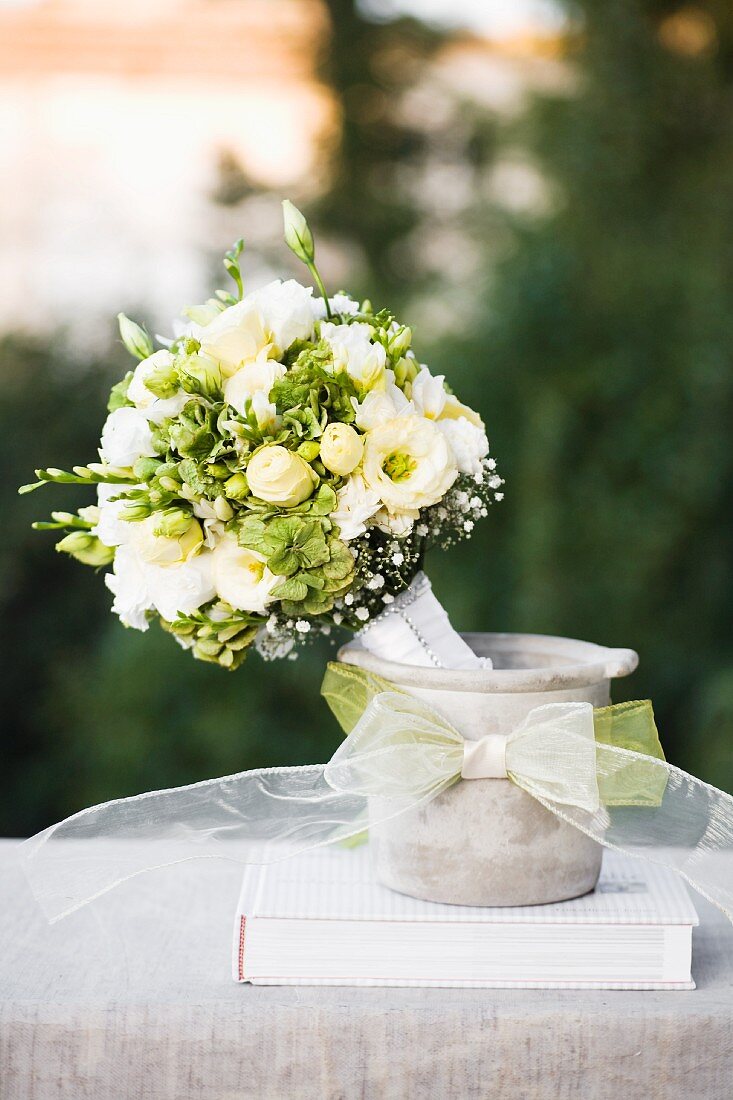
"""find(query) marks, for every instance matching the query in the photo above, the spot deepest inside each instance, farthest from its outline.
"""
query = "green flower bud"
(135, 338)
(145, 468)
(217, 470)
(135, 511)
(163, 381)
(86, 548)
(309, 450)
(236, 487)
(200, 374)
(169, 484)
(173, 523)
(405, 370)
(223, 509)
(298, 236)
(400, 341)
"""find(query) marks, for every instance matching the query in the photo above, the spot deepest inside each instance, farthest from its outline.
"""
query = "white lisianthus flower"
(468, 443)
(340, 303)
(128, 584)
(235, 336)
(454, 408)
(257, 376)
(354, 352)
(163, 550)
(280, 476)
(341, 448)
(408, 463)
(138, 586)
(428, 394)
(356, 504)
(155, 408)
(287, 312)
(126, 436)
(379, 406)
(109, 528)
(241, 576)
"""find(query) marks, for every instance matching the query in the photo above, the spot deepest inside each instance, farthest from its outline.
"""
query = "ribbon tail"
(251, 817)
(684, 823)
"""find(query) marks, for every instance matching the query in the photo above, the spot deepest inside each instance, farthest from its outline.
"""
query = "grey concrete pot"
(485, 841)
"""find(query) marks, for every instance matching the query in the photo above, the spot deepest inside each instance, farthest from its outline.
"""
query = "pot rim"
(563, 663)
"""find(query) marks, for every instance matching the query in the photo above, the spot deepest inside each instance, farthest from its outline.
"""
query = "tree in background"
(599, 352)
(606, 360)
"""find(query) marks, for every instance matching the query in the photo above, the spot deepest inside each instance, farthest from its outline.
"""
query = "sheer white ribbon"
(406, 753)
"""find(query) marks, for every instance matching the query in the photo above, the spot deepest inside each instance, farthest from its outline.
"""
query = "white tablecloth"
(90, 1010)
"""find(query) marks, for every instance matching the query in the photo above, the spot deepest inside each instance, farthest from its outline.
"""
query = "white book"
(322, 919)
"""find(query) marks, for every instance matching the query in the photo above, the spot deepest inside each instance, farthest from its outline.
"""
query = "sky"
(496, 18)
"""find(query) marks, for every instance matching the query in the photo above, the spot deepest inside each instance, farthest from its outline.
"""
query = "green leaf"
(118, 394)
(293, 589)
(324, 502)
(251, 534)
(314, 551)
(340, 564)
(284, 562)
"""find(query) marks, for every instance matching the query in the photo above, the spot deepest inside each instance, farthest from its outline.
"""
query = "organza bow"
(601, 770)
(402, 748)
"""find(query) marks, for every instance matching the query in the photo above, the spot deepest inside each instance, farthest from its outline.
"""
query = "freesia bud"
(135, 338)
(86, 548)
(400, 342)
(298, 236)
(223, 509)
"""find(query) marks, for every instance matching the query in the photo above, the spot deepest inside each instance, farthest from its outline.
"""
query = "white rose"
(156, 408)
(428, 394)
(236, 336)
(341, 448)
(354, 352)
(356, 504)
(287, 311)
(280, 476)
(258, 376)
(126, 436)
(468, 443)
(171, 590)
(241, 576)
(408, 463)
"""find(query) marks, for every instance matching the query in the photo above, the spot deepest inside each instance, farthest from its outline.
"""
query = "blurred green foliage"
(602, 361)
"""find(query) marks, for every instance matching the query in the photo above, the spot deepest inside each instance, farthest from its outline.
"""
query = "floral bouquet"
(279, 465)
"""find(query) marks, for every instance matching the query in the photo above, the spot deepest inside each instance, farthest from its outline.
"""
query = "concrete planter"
(484, 841)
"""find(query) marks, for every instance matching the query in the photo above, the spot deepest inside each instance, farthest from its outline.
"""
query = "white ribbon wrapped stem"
(406, 753)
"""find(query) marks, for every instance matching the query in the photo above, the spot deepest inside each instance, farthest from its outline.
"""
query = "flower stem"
(319, 283)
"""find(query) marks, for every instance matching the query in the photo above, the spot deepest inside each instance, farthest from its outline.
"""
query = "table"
(98, 1008)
